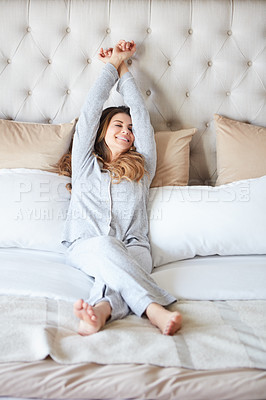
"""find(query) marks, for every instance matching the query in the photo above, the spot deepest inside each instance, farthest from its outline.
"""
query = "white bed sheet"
(215, 278)
(39, 273)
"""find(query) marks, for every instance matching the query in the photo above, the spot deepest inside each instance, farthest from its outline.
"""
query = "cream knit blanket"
(214, 335)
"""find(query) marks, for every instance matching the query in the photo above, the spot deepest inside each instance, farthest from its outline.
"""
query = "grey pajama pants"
(121, 275)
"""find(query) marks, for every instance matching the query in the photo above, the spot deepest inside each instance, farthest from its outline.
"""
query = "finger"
(122, 44)
(119, 44)
(133, 48)
(132, 44)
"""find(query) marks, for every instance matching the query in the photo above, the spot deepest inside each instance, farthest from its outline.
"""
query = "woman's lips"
(122, 138)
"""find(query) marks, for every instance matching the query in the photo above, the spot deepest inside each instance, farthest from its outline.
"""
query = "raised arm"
(88, 122)
(142, 128)
(89, 118)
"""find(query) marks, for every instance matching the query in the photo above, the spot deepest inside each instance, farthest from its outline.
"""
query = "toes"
(78, 304)
(90, 310)
(86, 314)
(173, 325)
(167, 329)
(84, 311)
(170, 328)
(91, 313)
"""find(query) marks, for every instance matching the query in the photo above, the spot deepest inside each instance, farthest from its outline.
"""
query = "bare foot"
(169, 322)
(92, 318)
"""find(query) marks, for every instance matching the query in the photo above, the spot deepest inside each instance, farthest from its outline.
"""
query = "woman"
(106, 231)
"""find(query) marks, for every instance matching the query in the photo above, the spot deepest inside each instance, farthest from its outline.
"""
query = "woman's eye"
(120, 126)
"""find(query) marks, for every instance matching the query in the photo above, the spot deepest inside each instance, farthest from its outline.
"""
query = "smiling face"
(119, 136)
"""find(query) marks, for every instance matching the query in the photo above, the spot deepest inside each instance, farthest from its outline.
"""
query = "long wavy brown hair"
(129, 165)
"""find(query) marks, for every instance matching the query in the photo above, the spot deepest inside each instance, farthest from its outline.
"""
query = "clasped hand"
(121, 52)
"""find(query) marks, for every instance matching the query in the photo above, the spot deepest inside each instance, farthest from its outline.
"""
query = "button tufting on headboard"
(194, 58)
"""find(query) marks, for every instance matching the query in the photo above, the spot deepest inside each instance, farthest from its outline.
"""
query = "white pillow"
(33, 207)
(201, 220)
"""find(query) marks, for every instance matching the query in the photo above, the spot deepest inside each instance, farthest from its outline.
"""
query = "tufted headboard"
(194, 58)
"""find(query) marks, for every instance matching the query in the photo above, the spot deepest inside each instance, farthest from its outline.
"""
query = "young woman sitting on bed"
(106, 231)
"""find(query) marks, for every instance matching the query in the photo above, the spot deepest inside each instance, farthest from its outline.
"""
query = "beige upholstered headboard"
(194, 58)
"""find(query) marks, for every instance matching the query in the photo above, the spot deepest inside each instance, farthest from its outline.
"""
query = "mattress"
(49, 380)
(41, 273)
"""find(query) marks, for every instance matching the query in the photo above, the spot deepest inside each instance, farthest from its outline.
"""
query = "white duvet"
(41, 273)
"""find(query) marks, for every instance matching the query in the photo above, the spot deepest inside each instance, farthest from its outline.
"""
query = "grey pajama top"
(97, 206)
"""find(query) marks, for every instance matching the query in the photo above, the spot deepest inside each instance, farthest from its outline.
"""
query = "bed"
(200, 65)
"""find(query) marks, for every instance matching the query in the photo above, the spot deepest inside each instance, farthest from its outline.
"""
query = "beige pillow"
(241, 150)
(32, 145)
(172, 157)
